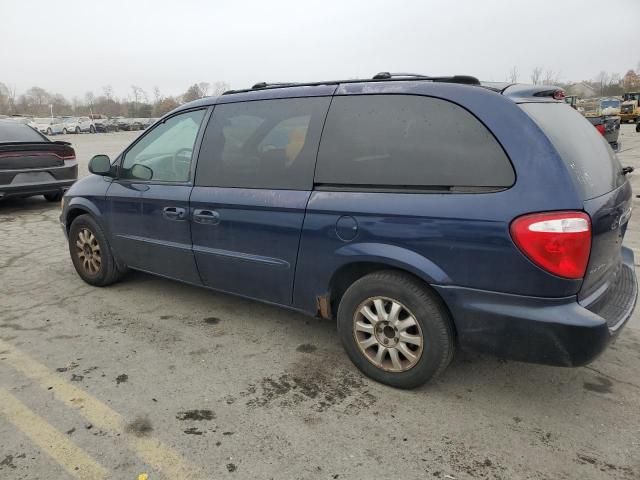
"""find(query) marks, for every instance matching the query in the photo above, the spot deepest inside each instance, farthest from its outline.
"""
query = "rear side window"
(583, 149)
(262, 144)
(406, 141)
(18, 132)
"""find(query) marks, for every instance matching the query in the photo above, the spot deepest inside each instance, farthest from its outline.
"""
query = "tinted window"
(262, 144)
(583, 149)
(167, 149)
(403, 140)
(18, 132)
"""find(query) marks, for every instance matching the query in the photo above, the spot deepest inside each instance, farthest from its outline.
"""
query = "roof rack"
(378, 77)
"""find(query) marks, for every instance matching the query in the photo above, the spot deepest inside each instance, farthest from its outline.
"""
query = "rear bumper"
(34, 188)
(37, 180)
(551, 331)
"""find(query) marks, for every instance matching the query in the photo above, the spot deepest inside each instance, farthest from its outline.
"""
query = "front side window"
(262, 144)
(406, 141)
(167, 149)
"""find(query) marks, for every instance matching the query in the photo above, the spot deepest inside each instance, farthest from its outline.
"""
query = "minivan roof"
(261, 91)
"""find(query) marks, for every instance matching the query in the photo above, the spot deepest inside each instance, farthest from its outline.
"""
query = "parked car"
(31, 164)
(78, 125)
(609, 128)
(423, 214)
(50, 126)
(123, 123)
(105, 126)
(21, 119)
(147, 122)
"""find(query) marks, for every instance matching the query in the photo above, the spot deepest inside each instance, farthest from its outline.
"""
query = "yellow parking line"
(153, 452)
(51, 441)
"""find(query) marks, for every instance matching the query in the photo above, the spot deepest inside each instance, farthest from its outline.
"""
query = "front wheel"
(64, 131)
(91, 253)
(92, 129)
(395, 330)
(49, 131)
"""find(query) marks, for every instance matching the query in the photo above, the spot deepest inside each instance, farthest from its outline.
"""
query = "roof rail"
(260, 85)
(388, 75)
(379, 77)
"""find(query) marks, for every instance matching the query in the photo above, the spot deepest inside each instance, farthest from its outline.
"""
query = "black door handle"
(206, 217)
(173, 213)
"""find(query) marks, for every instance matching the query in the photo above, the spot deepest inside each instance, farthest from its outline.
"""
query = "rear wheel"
(53, 197)
(91, 254)
(395, 330)
(64, 131)
(77, 130)
(92, 129)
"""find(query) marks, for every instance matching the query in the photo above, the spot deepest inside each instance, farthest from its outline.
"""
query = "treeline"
(604, 84)
(37, 101)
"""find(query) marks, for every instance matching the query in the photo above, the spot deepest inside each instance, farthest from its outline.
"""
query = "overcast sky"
(73, 46)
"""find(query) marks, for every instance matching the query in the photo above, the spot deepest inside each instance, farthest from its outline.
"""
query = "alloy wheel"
(88, 251)
(388, 334)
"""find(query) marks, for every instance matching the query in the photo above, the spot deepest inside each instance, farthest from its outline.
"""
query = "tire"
(86, 231)
(92, 129)
(416, 301)
(49, 131)
(53, 197)
(77, 130)
(64, 131)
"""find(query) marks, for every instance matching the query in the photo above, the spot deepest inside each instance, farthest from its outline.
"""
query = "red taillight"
(558, 242)
(559, 95)
(68, 154)
(601, 128)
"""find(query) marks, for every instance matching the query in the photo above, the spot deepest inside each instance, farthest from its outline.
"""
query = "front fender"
(396, 257)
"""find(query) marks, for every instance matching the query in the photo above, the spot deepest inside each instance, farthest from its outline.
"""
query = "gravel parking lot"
(152, 376)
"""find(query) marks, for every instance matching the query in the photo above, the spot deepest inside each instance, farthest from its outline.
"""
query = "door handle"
(173, 213)
(206, 217)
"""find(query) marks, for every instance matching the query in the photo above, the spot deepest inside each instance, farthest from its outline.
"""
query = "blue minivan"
(424, 214)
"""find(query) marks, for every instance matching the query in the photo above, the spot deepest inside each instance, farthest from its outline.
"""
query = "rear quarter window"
(407, 141)
(583, 149)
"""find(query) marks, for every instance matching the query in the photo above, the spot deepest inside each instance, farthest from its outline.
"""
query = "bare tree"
(138, 94)
(550, 77)
(157, 95)
(108, 92)
(601, 80)
(535, 75)
(204, 88)
(219, 88)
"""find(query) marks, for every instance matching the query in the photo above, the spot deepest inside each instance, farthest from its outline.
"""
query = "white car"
(77, 125)
(48, 125)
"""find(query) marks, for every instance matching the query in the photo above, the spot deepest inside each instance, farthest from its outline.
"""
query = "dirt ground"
(152, 376)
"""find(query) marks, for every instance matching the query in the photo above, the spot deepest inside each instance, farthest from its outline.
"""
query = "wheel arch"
(79, 206)
(377, 257)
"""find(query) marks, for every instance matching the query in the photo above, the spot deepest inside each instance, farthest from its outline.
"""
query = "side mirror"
(100, 165)
(141, 172)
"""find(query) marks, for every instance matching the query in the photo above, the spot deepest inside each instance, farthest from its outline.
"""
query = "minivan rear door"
(605, 191)
(253, 181)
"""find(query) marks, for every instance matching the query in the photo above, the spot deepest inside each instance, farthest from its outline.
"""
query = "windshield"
(610, 104)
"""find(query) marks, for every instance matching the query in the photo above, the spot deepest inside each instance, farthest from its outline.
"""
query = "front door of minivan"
(150, 217)
(253, 181)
